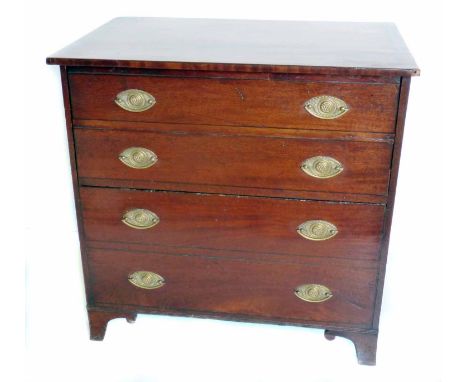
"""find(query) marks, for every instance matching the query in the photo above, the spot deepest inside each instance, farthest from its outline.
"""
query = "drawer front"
(237, 161)
(274, 103)
(261, 289)
(233, 223)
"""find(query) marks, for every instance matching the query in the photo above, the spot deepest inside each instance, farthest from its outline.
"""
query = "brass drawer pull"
(135, 100)
(326, 107)
(313, 293)
(138, 157)
(317, 230)
(322, 167)
(146, 280)
(139, 218)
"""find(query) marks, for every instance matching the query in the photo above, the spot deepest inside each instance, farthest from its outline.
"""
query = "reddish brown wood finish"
(98, 321)
(74, 174)
(242, 131)
(235, 102)
(231, 160)
(307, 77)
(245, 191)
(237, 87)
(264, 225)
(243, 46)
(235, 286)
(403, 102)
(226, 253)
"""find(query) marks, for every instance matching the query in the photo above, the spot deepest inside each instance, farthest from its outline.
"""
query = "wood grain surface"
(231, 160)
(233, 286)
(243, 45)
(263, 103)
(230, 131)
(234, 223)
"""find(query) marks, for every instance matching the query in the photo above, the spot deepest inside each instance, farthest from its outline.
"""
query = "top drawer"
(238, 102)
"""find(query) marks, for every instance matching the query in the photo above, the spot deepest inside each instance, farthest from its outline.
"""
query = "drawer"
(267, 163)
(227, 286)
(237, 102)
(233, 223)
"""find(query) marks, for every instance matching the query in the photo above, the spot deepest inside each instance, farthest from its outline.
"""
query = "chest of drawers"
(241, 170)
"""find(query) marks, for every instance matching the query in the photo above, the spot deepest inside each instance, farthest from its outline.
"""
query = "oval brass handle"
(322, 167)
(313, 293)
(138, 157)
(135, 100)
(146, 280)
(326, 107)
(317, 230)
(140, 218)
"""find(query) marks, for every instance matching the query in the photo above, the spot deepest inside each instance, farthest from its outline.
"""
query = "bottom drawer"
(237, 286)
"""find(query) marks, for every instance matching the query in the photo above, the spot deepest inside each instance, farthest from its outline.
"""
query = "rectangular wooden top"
(243, 45)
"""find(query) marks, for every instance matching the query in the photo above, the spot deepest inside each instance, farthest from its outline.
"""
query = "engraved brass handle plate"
(140, 218)
(326, 107)
(313, 293)
(135, 100)
(138, 157)
(146, 280)
(317, 230)
(322, 167)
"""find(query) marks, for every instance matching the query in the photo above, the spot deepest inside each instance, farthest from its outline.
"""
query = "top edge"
(243, 45)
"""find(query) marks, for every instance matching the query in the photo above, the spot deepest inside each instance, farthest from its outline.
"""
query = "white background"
(424, 275)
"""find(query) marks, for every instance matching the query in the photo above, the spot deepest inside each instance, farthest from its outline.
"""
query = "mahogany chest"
(241, 170)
